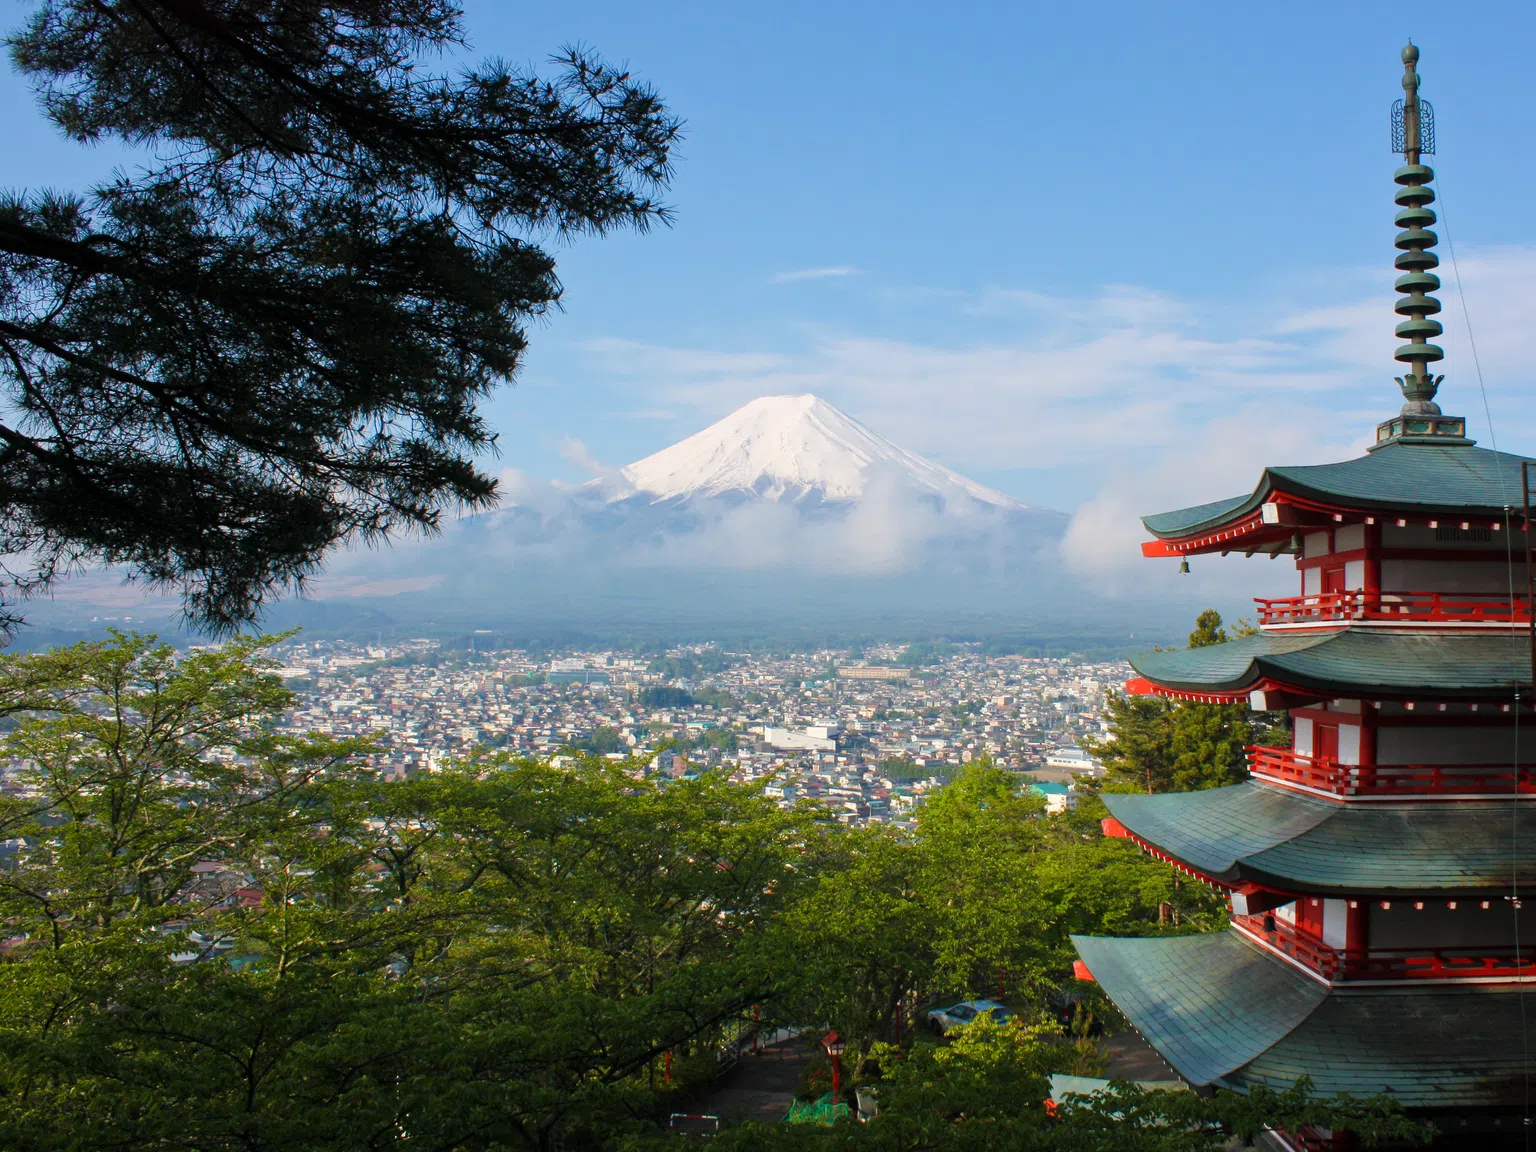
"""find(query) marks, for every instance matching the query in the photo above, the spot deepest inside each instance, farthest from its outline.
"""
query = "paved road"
(760, 1087)
(1132, 1058)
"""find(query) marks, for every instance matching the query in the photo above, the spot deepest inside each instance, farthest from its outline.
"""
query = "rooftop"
(1297, 843)
(1224, 1012)
(1414, 479)
(1347, 662)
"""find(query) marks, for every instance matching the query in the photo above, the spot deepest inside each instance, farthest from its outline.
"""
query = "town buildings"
(859, 734)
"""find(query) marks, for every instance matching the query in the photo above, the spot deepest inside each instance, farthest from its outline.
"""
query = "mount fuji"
(789, 449)
(786, 508)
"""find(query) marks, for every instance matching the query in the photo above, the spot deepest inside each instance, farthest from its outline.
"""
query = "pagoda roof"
(1225, 1012)
(1410, 479)
(1343, 663)
(1298, 843)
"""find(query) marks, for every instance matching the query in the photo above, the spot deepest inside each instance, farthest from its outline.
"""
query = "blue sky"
(1105, 257)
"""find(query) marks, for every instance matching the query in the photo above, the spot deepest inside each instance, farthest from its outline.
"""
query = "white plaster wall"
(1311, 581)
(1349, 537)
(1335, 922)
(1354, 574)
(1349, 743)
(1314, 544)
(1302, 736)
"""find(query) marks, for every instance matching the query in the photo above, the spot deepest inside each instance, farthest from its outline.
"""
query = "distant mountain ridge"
(793, 450)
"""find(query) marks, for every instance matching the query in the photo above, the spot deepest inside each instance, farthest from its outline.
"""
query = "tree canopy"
(273, 336)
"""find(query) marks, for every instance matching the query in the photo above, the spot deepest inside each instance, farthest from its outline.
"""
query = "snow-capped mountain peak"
(789, 449)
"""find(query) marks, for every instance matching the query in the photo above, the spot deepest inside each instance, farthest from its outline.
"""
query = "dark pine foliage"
(273, 339)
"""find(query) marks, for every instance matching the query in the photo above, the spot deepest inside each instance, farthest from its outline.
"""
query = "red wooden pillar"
(1368, 718)
(1372, 568)
(1357, 942)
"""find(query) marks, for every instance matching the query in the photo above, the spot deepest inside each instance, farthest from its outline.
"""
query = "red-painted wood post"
(833, 1043)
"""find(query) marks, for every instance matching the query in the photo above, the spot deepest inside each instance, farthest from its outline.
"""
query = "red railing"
(1328, 775)
(1404, 607)
(1476, 962)
(1283, 937)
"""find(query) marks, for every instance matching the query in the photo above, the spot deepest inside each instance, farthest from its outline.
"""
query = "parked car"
(942, 1020)
(1074, 1015)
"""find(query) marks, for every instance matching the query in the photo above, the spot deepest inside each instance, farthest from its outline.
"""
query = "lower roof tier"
(1225, 1013)
(1354, 663)
(1293, 842)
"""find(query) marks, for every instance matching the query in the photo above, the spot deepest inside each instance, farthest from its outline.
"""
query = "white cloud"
(578, 455)
(832, 273)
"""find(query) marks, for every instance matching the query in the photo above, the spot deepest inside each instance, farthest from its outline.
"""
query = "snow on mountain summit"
(788, 448)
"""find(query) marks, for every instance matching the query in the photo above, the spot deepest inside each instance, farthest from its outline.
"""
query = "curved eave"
(1346, 662)
(1390, 484)
(1280, 839)
(1223, 1012)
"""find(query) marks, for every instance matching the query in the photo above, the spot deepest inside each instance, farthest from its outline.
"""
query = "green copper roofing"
(1208, 1004)
(1223, 1011)
(1293, 842)
(1350, 662)
(1427, 479)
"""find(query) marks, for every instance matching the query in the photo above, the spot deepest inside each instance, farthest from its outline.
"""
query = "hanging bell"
(1184, 566)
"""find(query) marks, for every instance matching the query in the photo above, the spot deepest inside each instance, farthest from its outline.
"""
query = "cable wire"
(1509, 560)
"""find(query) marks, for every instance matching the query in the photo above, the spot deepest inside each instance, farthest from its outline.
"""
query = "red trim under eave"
(1251, 531)
(1276, 696)
(1118, 831)
(1141, 686)
(1080, 972)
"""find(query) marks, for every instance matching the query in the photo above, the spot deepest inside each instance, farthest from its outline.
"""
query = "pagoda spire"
(1413, 134)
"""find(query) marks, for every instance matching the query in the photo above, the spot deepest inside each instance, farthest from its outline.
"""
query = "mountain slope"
(788, 449)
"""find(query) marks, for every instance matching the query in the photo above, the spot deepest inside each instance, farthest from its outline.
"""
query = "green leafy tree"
(980, 901)
(1161, 745)
(274, 336)
(1208, 630)
(225, 938)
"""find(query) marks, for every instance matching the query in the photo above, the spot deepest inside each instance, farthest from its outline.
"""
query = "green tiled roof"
(1424, 478)
(1208, 1004)
(1179, 522)
(1224, 1012)
(1387, 663)
(1294, 842)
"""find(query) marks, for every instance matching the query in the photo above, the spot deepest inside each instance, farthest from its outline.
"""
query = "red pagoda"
(1376, 868)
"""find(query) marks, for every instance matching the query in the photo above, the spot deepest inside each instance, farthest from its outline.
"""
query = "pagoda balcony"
(1325, 774)
(1479, 962)
(1431, 608)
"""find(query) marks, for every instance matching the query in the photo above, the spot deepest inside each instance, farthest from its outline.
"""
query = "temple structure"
(1377, 867)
